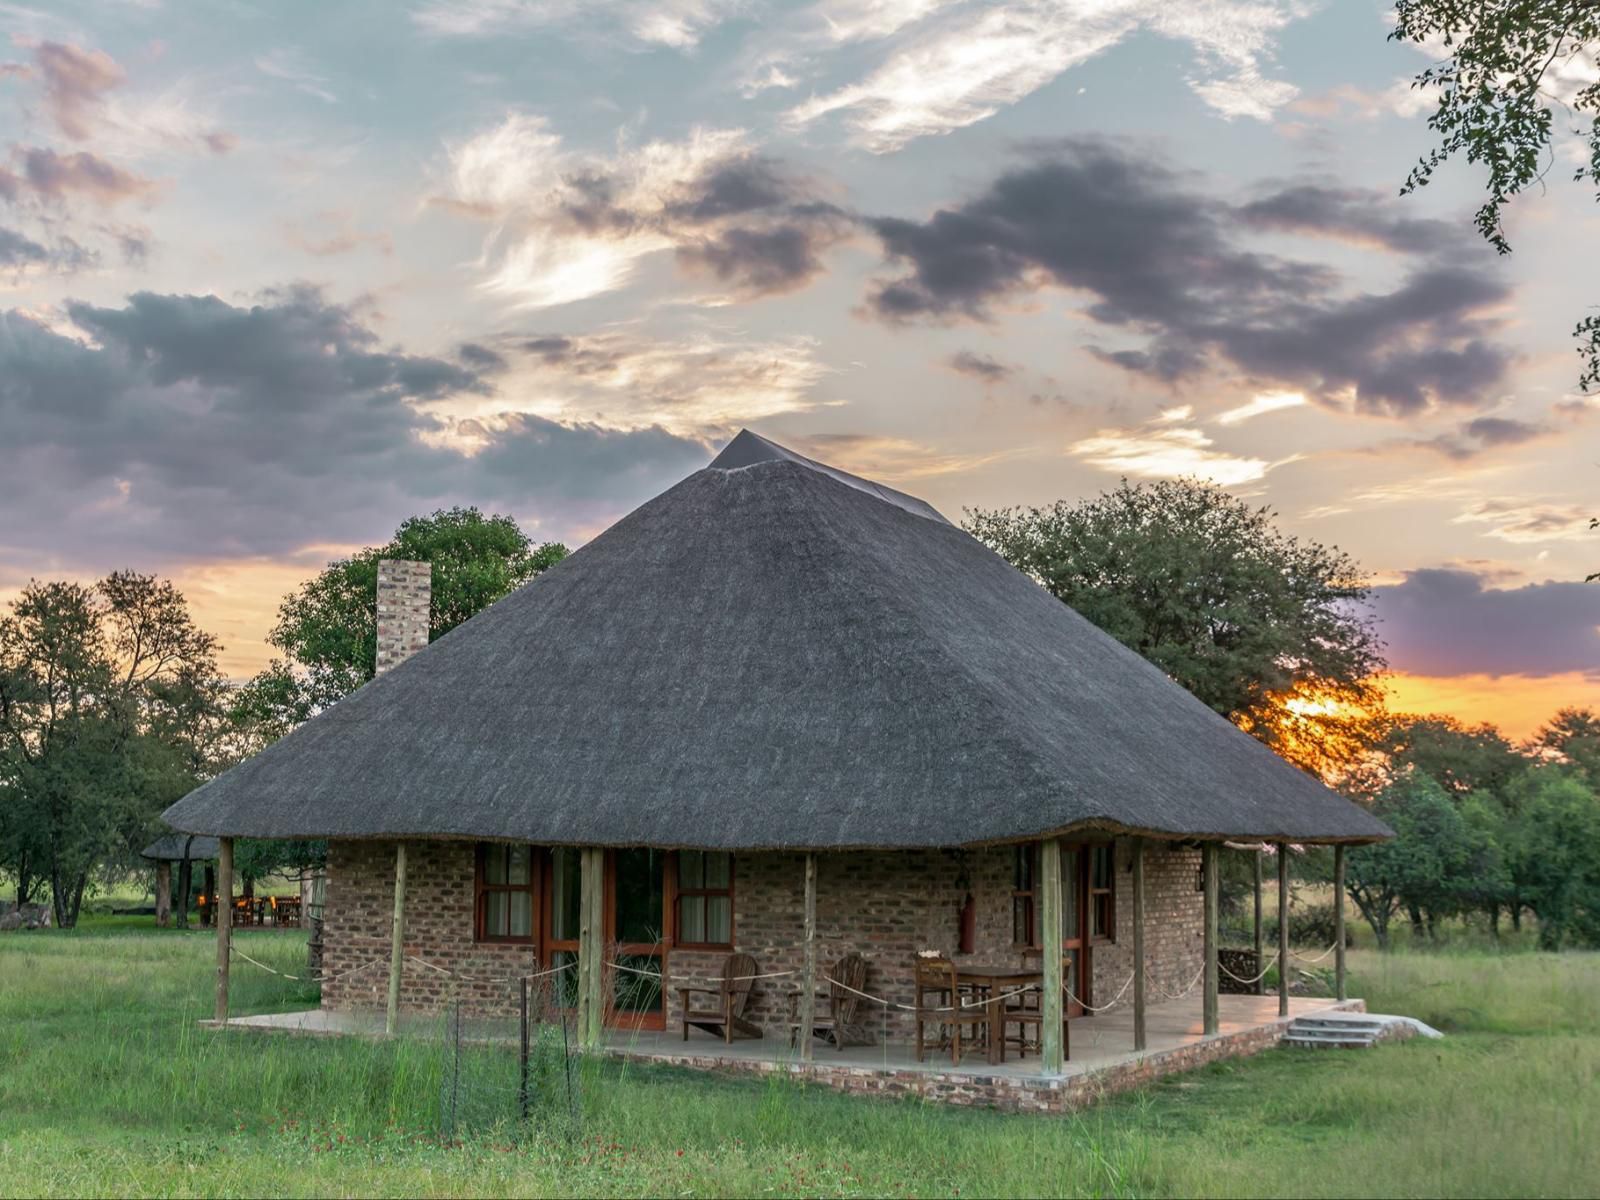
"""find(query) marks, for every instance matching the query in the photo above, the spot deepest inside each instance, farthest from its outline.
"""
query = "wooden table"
(996, 980)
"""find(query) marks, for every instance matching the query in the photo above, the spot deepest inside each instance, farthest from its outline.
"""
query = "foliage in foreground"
(110, 1087)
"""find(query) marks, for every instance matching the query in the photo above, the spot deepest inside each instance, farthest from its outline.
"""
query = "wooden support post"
(1208, 1004)
(1283, 929)
(808, 972)
(591, 951)
(1338, 923)
(222, 906)
(1259, 945)
(397, 942)
(1053, 1003)
(163, 894)
(1139, 1038)
(185, 892)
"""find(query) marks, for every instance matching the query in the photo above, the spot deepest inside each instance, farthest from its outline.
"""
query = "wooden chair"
(938, 1003)
(840, 1019)
(725, 1015)
(1026, 1012)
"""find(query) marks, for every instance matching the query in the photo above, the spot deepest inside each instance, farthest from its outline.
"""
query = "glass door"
(637, 936)
(564, 899)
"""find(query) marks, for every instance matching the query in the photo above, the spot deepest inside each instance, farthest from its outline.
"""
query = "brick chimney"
(405, 594)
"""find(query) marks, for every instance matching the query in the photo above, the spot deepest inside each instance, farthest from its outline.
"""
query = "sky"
(274, 277)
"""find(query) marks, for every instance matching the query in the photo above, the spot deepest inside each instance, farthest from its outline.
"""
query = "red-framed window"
(1102, 892)
(507, 893)
(704, 900)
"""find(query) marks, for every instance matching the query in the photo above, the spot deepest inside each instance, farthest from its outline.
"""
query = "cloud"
(967, 65)
(1442, 622)
(57, 177)
(287, 66)
(75, 82)
(184, 427)
(979, 366)
(569, 226)
(1527, 521)
(678, 24)
(1362, 216)
(331, 232)
(701, 383)
(1259, 405)
(20, 253)
(1164, 448)
(890, 459)
(1161, 261)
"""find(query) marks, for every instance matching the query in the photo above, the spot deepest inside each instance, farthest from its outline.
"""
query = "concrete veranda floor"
(1098, 1043)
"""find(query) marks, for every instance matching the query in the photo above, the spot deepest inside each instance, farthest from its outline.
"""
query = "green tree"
(328, 627)
(1420, 870)
(1509, 68)
(1266, 629)
(1554, 856)
(1461, 759)
(92, 685)
(1573, 737)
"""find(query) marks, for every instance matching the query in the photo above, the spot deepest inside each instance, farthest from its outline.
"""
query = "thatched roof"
(175, 847)
(772, 655)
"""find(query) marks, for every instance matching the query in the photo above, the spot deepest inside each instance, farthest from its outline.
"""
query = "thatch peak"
(751, 449)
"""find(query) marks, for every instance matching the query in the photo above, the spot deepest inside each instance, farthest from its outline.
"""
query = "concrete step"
(1351, 1030)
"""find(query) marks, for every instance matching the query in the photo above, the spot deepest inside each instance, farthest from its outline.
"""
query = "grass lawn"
(109, 1087)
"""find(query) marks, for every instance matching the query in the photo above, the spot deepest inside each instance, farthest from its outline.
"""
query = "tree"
(1432, 852)
(1573, 737)
(1461, 759)
(94, 681)
(1266, 629)
(328, 627)
(1554, 856)
(1509, 66)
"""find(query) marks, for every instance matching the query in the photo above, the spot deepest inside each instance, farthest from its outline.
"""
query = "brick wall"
(884, 905)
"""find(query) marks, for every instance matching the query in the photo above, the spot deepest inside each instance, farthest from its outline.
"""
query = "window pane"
(719, 920)
(1022, 869)
(1102, 915)
(496, 914)
(692, 919)
(691, 869)
(521, 914)
(638, 895)
(494, 864)
(517, 868)
(719, 870)
(565, 894)
(1100, 867)
(637, 990)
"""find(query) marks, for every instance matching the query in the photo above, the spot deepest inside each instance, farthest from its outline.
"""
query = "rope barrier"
(1253, 978)
(1193, 983)
(303, 978)
(1112, 1003)
(1318, 958)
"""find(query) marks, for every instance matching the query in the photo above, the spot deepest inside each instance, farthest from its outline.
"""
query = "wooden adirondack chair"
(724, 1012)
(839, 1018)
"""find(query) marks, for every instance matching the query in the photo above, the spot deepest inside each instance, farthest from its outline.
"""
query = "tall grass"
(108, 1085)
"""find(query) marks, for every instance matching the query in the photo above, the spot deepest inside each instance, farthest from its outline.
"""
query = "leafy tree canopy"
(1573, 737)
(328, 627)
(1511, 69)
(1266, 629)
(1461, 759)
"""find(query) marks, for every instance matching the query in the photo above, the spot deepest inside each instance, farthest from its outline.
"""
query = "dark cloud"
(19, 252)
(480, 358)
(1446, 622)
(1501, 431)
(979, 366)
(187, 427)
(734, 188)
(1471, 438)
(1353, 214)
(56, 177)
(1161, 260)
(762, 261)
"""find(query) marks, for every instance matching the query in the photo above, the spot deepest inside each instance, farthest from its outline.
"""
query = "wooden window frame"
(1109, 892)
(676, 894)
(481, 889)
(1028, 851)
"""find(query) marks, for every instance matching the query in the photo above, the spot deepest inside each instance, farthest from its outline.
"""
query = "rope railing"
(1109, 1005)
(1254, 978)
(1319, 958)
(322, 978)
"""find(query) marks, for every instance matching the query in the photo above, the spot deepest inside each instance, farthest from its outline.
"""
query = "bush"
(1311, 925)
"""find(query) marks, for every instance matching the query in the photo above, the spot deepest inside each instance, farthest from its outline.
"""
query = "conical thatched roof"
(773, 654)
(175, 847)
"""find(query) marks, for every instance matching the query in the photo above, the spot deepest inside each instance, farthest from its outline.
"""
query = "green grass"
(108, 1086)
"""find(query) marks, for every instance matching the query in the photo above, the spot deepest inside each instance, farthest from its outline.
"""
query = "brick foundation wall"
(885, 905)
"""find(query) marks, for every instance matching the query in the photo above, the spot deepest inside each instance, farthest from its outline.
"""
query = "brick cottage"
(778, 712)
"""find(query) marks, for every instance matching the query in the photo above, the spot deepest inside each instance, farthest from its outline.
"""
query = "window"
(507, 879)
(1022, 896)
(1102, 893)
(705, 899)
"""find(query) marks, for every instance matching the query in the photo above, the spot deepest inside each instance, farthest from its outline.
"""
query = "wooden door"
(636, 923)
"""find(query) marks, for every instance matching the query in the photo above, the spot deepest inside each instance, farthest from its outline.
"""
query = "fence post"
(808, 973)
(222, 905)
(1053, 1004)
(397, 949)
(522, 1056)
